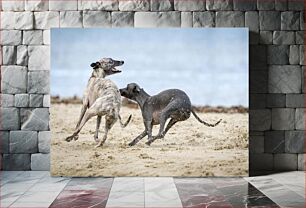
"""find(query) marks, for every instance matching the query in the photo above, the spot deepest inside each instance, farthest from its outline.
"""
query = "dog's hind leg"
(138, 138)
(110, 120)
(96, 136)
(162, 120)
(169, 125)
(88, 114)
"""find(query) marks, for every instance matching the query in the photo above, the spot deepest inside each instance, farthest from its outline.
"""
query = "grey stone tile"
(281, 5)
(290, 20)
(244, 5)
(196, 5)
(40, 161)
(186, 19)
(38, 82)
(283, 37)
(294, 141)
(22, 55)
(39, 58)
(122, 19)
(35, 119)
(260, 161)
(297, 5)
(63, 5)
(16, 161)
(301, 165)
(256, 144)
(299, 119)
(97, 19)
(266, 37)
(283, 118)
(32, 37)
(162, 5)
(258, 56)
(203, 19)
(216, 5)
(278, 54)
(157, 19)
(285, 79)
(24, 20)
(21, 100)
(46, 19)
(4, 142)
(38, 5)
(285, 162)
(269, 20)
(98, 5)
(11, 37)
(257, 101)
(294, 54)
(274, 141)
(260, 120)
(10, 119)
(36, 100)
(23, 142)
(276, 100)
(229, 19)
(299, 37)
(6, 100)
(259, 81)
(13, 79)
(134, 5)
(295, 100)
(71, 19)
(44, 141)
(265, 5)
(9, 55)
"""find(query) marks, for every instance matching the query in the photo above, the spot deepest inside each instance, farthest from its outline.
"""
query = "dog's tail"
(203, 122)
(123, 125)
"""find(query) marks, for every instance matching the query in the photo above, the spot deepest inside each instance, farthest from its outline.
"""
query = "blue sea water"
(210, 65)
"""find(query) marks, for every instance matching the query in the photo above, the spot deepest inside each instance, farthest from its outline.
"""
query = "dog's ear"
(136, 89)
(93, 64)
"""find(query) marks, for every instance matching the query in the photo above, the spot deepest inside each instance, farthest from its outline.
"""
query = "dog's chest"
(103, 88)
(155, 117)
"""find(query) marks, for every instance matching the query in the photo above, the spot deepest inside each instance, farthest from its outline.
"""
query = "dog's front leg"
(96, 136)
(149, 126)
(83, 110)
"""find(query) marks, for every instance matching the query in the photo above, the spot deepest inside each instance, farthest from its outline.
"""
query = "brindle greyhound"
(172, 103)
(101, 98)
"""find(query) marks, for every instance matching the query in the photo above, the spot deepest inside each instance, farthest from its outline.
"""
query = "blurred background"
(209, 64)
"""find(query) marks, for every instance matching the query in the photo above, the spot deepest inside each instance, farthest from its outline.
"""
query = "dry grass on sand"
(189, 148)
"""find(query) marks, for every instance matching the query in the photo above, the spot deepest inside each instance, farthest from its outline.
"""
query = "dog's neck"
(141, 98)
(99, 74)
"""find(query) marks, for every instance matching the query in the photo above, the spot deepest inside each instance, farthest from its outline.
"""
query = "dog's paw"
(96, 139)
(148, 143)
(131, 144)
(76, 137)
(68, 139)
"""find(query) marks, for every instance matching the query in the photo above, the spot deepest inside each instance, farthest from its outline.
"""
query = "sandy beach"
(189, 149)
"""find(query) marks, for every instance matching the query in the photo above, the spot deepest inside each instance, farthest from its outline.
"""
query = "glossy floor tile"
(84, 192)
(39, 190)
(278, 192)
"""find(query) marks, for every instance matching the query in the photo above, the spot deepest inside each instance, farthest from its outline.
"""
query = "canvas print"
(149, 102)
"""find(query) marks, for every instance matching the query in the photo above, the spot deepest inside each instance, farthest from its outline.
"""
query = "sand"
(189, 149)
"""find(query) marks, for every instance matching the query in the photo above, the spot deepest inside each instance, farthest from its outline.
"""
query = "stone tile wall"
(276, 68)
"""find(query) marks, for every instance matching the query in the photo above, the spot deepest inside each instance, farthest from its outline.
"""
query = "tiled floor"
(38, 189)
